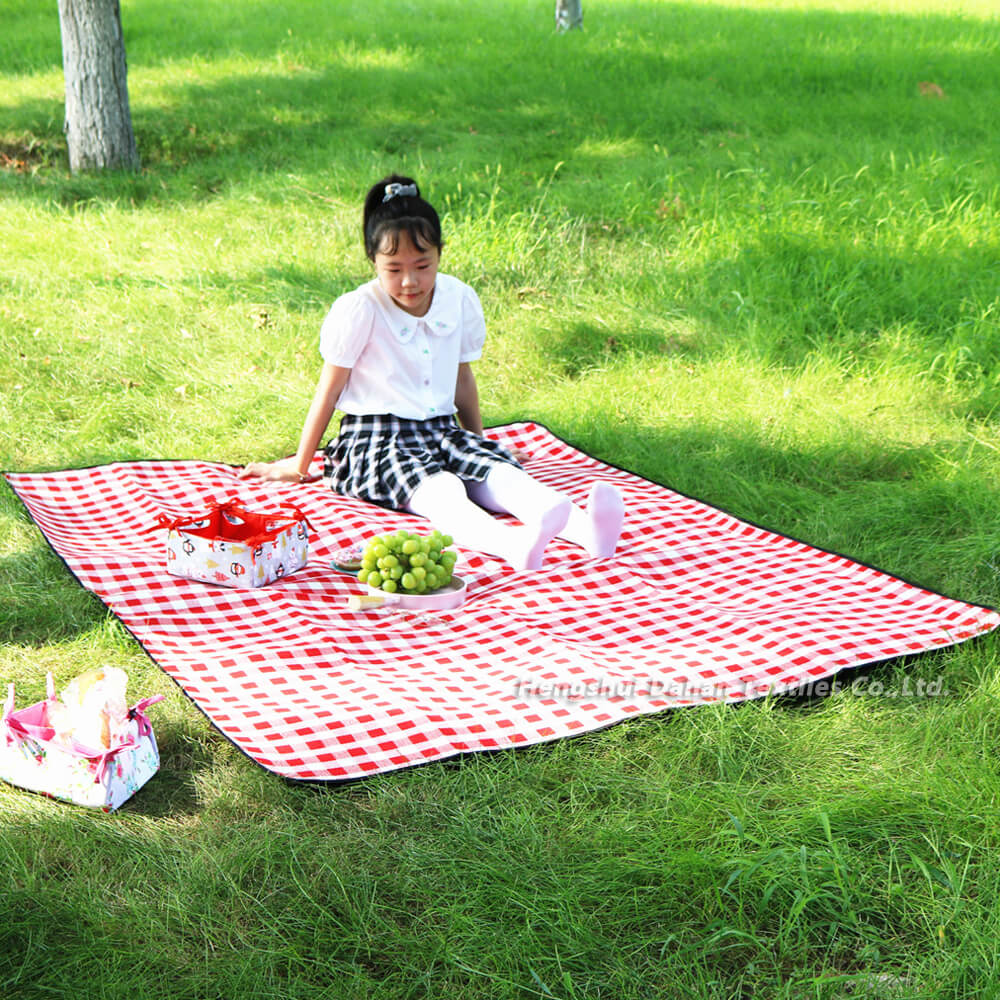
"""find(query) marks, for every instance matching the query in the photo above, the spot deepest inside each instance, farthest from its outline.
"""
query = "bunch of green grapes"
(407, 562)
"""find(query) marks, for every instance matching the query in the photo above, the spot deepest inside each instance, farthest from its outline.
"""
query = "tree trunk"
(98, 119)
(569, 14)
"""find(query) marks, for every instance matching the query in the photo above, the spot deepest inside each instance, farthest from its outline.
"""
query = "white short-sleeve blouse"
(402, 364)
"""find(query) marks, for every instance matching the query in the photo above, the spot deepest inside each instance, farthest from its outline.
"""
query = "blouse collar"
(440, 320)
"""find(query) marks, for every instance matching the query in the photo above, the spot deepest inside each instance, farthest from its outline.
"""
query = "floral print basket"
(234, 547)
(31, 757)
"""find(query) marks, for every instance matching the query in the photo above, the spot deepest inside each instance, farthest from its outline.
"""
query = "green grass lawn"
(743, 249)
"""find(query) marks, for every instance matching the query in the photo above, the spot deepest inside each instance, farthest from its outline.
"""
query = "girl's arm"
(331, 384)
(467, 400)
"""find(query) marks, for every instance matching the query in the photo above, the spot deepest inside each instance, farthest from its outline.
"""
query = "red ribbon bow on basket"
(234, 512)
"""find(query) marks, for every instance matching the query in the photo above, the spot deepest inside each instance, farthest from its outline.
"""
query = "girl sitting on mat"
(397, 353)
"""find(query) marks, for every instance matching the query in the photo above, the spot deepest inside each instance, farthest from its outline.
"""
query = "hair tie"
(396, 190)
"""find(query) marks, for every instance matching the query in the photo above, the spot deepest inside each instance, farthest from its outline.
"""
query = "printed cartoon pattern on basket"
(234, 547)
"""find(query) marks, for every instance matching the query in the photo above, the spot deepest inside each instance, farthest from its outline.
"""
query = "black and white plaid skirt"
(383, 458)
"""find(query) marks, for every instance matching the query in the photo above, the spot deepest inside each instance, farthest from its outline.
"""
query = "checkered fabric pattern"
(384, 458)
(696, 607)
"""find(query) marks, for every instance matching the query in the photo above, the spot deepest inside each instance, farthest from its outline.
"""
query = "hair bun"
(394, 205)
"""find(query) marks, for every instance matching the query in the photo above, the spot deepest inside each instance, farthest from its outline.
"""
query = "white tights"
(461, 510)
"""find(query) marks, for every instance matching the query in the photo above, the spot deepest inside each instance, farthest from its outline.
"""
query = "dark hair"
(402, 212)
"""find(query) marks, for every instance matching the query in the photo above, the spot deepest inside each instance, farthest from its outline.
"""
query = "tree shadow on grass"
(676, 77)
(41, 603)
(787, 299)
(185, 759)
(346, 91)
(792, 295)
(582, 348)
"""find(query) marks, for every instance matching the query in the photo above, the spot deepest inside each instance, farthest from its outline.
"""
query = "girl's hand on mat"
(284, 471)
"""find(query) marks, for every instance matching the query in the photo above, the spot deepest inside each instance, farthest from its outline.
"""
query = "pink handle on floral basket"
(16, 727)
(138, 713)
(7, 709)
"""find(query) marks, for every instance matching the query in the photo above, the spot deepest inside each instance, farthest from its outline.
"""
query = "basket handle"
(138, 714)
(15, 728)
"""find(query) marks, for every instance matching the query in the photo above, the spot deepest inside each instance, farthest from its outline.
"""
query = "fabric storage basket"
(31, 757)
(235, 547)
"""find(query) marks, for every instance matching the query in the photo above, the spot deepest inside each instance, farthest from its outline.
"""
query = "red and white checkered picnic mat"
(697, 606)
